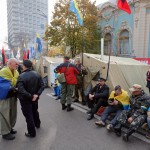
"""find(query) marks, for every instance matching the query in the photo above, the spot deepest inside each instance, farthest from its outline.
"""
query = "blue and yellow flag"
(7, 79)
(38, 41)
(74, 8)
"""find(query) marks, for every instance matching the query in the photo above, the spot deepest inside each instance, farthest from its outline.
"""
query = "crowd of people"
(133, 109)
(27, 87)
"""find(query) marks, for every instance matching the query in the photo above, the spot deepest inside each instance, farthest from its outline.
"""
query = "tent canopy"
(122, 71)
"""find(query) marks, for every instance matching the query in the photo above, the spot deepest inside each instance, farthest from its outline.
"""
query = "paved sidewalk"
(84, 109)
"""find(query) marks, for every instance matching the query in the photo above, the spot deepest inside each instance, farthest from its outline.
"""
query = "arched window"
(107, 43)
(124, 47)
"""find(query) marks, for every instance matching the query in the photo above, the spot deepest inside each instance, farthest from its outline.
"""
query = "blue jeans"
(108, 111)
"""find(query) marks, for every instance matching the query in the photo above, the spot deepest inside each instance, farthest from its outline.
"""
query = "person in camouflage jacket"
(137, 113)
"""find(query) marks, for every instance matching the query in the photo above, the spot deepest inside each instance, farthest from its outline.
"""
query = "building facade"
(126, 35)
(25, 19)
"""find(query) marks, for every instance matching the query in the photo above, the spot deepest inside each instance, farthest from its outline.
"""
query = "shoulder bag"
(61, 77)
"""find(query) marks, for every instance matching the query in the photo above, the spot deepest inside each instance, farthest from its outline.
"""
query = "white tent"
(46, 65)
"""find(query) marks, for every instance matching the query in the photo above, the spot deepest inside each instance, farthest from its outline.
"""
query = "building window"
(124, 47)
(107, 43)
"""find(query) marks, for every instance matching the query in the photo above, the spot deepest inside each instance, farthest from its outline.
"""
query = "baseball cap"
(101, 79)
(135, 87)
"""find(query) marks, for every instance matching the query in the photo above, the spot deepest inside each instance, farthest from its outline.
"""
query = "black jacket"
(100, 92)
(28, 84)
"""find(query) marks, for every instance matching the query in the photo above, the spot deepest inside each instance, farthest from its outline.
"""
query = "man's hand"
(113, 103)
(35, 97)
(130, 119)
(82, 68)
(91, 96)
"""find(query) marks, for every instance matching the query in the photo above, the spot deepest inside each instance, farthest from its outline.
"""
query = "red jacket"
(70, 71)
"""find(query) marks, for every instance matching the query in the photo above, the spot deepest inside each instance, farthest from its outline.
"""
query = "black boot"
(69, 108)
(126, 135)
(90, 116)
(64, 106)
(117, 129)
(8, 136)
(83, 102)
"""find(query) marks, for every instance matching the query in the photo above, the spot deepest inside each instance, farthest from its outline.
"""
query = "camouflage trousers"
(138, 118)
(67, 93)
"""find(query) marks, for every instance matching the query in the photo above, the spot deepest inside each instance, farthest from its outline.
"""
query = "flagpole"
(83, 46)
(110, 49)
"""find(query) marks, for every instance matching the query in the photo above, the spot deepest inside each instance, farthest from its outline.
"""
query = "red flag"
(4, 56)
(28, 53)
(24, 55)
(122, 4)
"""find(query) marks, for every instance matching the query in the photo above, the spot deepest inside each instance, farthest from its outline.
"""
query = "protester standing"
(8, 99)
(70, 71)
(80, 77)
(148, 79)
(30, 86)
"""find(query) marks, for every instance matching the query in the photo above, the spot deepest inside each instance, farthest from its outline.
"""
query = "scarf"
(8, 75)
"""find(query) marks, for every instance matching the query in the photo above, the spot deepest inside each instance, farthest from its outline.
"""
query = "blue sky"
(3, 17)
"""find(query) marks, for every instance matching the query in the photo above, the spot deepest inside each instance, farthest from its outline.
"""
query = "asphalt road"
(62, 130)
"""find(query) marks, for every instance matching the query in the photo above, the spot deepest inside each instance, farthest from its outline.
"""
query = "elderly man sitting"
(137, 113)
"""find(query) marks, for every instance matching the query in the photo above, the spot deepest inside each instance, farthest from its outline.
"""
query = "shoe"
(109, 127)
(57, 98)
(90, 117)
(13, 131)
(117, 129)
(37, 126)
(118, 133)
(54, 95)
(100, 123)
(83, 103)
(64, 106)
(29, 135)
(69, 108)
(148, 134)
(76, 100)
(8, 136)
(89, 112)
(125, 137)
